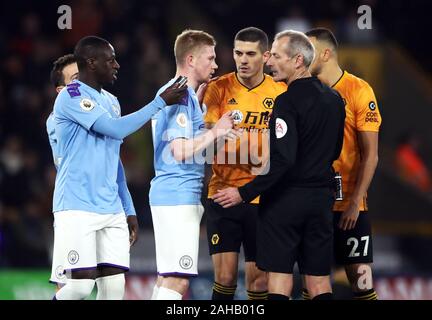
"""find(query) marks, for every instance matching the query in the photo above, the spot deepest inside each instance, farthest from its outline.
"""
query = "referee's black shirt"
(306, 135)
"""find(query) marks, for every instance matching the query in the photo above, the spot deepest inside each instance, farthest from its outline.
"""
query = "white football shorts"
(85, 240)
(177, 231)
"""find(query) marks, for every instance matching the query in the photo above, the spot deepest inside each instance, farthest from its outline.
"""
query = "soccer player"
(64, 70)
(175, 192)
(89, 211)
(357, 164)
(306, 136)
(249, 94)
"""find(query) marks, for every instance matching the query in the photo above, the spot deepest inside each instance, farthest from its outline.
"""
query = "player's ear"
(58, 89)
(190, 60)
(299, 59)
(266, 56)
(326, 54)
(91, 63)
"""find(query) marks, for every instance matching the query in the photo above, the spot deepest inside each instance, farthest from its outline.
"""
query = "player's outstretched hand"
(202, 90)
(224, 125)
(228, 197)
(173, 94)
(133, 229)
(234, 134)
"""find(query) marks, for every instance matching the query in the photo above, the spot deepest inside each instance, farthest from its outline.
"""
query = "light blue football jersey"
(87, 161)
(176, 183)
(50, 127)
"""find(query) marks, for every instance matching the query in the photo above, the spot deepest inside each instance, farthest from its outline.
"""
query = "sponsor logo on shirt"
(181, 120)
(232, 101)
(72, 89)
(237, 116)
(372, 105)
(371, 117)
(281, 128)
(87, 104)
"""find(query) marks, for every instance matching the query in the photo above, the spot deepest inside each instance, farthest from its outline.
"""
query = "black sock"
(366, 295)
(221, 292)
(276, 296)
(257, 295)
(324, 296)
(305, 294)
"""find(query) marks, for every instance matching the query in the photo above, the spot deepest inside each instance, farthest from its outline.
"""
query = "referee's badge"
(281, 128)
(181, 120)
(215, 239)
(87, 104)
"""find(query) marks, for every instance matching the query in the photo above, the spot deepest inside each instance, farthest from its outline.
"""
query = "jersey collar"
(241, 84)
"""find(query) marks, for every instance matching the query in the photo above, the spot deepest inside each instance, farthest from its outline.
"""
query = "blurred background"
(393, 56)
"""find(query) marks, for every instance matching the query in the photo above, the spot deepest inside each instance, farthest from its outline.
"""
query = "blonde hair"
(190, 40)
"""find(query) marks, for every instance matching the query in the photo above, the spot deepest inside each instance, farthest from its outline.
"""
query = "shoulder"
(223, 81)
(356, 84)
(74, 95)
(166, 85)
(50, 121)
(109, 94)
(73, 92)
(278, 86)
(283, 98)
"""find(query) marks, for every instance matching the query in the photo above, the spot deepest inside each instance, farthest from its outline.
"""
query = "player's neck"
(191, 82)
(298, 74)
(90, 81)
(331, 73)
(251, 82)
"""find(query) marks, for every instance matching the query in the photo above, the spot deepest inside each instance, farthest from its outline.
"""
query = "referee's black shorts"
(355, 245)
(296, 225)
(228, 229)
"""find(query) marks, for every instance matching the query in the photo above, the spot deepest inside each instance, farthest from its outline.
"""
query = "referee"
(306, 135)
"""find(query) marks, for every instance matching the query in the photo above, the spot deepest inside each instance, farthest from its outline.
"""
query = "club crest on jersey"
(87, 104)
(268, 103)
(73, 257)
(215, 239)
(237, 116)
(372, 105)
(181, 120)
(186, 262)
(281, 128)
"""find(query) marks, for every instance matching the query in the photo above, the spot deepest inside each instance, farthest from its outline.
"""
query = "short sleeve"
(179, 122)
(368, 117)
(213, 103)
(80, 109)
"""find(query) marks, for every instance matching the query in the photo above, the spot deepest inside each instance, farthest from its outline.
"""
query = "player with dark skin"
(101, 69)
